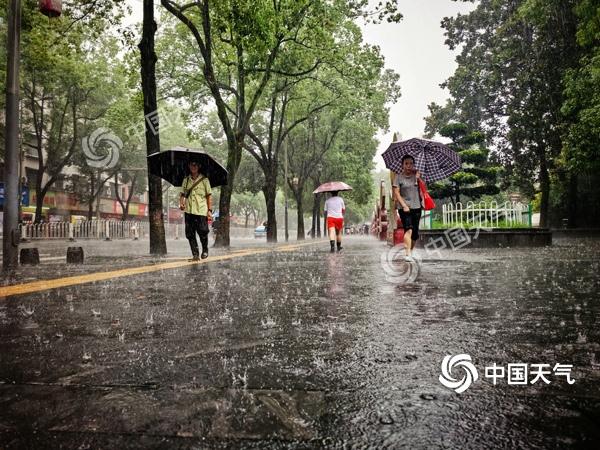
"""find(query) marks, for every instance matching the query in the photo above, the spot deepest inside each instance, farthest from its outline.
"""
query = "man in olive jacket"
(195, 200)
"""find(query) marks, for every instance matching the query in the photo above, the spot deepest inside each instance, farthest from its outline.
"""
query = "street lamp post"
(10, 219)
(295, 186)
(10, 241)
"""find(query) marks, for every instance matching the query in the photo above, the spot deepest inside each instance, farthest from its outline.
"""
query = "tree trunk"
(119, 199)
(223, 238)
(319, 215)
(125, 209)
(270, 191)
(129, 197)
(234, 158)
(98, 205)
(39, 197)
(457, 192)
(90, 214)
(301, 234)
(315, 211)
(39, 203)
(97, 196)
(572, 201)
(158, 244)
(545, 190)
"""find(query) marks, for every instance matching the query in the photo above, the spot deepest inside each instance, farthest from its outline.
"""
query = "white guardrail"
(484, 214)
(95, 229)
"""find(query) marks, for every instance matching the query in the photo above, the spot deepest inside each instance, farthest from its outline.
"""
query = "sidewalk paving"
(112, 255)
(306, 349)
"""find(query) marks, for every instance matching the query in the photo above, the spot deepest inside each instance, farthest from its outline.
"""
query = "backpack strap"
(189, 191)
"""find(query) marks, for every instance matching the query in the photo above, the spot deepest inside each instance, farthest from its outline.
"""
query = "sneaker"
(204, 255)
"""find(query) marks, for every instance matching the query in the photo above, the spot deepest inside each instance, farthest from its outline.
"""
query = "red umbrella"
(332, 186)
(50, 8)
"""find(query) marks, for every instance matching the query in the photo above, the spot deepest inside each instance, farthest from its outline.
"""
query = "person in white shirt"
(335, 209)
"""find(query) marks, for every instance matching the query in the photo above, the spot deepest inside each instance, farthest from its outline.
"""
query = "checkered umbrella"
(435, 161)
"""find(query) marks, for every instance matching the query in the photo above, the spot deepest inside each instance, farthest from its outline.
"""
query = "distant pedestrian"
(195, 200)
(405, 191)
(335, 209)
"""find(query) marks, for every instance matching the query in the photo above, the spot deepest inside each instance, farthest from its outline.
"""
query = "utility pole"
(21, 182)
(10, 241)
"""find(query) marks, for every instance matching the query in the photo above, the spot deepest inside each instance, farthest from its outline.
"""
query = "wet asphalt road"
(304, 349)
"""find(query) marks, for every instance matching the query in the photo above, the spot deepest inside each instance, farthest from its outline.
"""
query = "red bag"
(398, 236)
(428, 202)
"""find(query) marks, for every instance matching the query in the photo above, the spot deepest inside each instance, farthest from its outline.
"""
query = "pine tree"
(478, 175)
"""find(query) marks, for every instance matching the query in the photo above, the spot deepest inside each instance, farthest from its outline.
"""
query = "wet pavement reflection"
(307, 349)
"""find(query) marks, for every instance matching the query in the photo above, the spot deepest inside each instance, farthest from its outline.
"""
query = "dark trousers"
(196, 224)
(410, 221)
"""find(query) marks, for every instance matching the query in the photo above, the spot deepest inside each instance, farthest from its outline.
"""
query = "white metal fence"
(86, 229)
(426, 222)
(484, 214)
(110, 229)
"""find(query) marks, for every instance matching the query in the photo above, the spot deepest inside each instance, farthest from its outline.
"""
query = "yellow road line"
(44, 285)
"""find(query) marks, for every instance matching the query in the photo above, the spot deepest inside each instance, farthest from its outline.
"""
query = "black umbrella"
(172, 166)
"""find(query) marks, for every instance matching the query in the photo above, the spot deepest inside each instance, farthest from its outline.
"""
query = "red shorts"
(335, 222)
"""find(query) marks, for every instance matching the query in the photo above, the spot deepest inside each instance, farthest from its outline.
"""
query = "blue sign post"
(24, 195)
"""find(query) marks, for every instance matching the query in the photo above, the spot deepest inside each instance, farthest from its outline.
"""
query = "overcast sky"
(415, 49)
